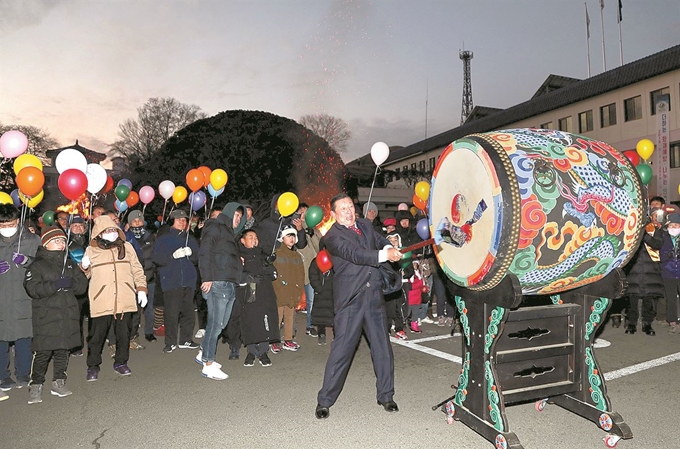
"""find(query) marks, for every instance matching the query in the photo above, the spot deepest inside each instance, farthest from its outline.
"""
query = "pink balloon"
(403, 206)
(146, 194)
(13, 143)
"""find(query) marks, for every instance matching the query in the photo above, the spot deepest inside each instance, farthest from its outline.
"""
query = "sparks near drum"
(555, 209)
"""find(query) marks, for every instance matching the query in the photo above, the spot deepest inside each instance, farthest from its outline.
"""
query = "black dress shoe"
(389, 406)
(631, 329)
(647, 329)
(322, 412)
(150, 337)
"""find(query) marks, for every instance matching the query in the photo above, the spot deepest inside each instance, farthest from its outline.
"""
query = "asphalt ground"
(166, 403)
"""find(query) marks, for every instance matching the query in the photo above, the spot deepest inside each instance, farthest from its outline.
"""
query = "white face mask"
(8, 232)
(110, 236)
(674, 231)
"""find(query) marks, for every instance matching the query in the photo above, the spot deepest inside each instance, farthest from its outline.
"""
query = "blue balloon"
(125, 182)
(214, 193)
(197, 200)
(157, 223)
(15, 198)
(121, 206)
(423, 228)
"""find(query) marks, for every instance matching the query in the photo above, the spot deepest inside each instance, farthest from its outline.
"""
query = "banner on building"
(663, 146)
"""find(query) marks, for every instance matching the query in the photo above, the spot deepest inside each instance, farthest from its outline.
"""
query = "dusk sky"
(80, 68)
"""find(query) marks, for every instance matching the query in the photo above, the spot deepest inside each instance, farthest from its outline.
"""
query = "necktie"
(355, 229)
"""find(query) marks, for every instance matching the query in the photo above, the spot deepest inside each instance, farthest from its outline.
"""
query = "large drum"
(557, 210)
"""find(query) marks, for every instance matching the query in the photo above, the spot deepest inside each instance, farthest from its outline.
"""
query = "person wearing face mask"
(117, 284)
(17, 249)
(670, 269)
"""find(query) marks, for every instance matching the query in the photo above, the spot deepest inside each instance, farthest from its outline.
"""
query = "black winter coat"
(56, 314)
(322, 283)
(260, 318)
(269, 229)
(643, 274)
(219, 258)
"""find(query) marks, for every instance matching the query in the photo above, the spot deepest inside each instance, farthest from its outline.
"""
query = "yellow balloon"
(6, 199)
(218, 178)
(678, 190)
(32, 202)
(287, 203)
(423, 190)
(26, 160)
(413, 210)
(179, 195)
(645, 148)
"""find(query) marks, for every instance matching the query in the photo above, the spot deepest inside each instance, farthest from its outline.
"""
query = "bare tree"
(39, 141)
(157, 120)
(333, 130)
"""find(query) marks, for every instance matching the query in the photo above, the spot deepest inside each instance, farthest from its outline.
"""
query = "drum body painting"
(555, 209)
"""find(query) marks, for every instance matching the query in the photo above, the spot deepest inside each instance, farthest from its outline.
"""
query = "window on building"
(654, 96)
(396, 174)
(632, 108)
(674, 153)
(547, 125)
(608, 115)
(413, 166)
(388, 177)
(432, 163)
(421, 164)
(585, 121)
(564, 124)
(405, 169)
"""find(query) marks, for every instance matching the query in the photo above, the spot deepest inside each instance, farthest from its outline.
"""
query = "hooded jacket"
(219, 258)
(175, 273)
(290, 279)
(114, 281)
(268, 230)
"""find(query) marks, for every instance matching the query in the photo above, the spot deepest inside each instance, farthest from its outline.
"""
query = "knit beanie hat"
(50, 233)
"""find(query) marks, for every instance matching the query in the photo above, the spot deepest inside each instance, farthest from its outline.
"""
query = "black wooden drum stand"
(542, 353)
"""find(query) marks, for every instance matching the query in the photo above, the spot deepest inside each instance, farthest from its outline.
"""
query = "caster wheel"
(540, 405)
(501, 442)
(450, 420)
(611, 440)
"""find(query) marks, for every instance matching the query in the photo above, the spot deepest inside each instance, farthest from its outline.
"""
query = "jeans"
(220, 301)
(148, 311)
(309, 297)
(23, 358)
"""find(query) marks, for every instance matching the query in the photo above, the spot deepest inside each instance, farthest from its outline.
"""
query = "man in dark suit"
(356, 250)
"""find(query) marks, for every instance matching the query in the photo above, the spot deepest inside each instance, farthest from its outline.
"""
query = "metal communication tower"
(466, 57)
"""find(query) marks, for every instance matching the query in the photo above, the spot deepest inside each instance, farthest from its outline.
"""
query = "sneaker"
(322, 340)
(160, 331)
(169, 348)
(92, 374)
(213, 371)
(23, 381)
(150, 337)
(112, 351)
(3, 396)
(189, 345)
(275, 348)
(427, 320)
(250, 359)
(200, 333)
(35, 393)
(265, 361)
(311, 332)
(401, 335)
(7, 384)
(58, 388)
(199, 359)
(291, 346)
(415, 328)
(441, 321)
(134, 343)
(235, 353)
(78, 353)
(122, 369)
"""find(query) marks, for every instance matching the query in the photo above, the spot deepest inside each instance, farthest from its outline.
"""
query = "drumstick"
(417, 245)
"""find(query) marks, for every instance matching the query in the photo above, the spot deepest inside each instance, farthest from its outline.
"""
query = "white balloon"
(70, 158)
(166, 189)
(380, 152)
(96, 178)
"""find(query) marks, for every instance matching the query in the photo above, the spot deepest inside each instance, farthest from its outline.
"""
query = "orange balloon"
(419, 202)
(195, 179)
(206, 175)
(30, 181)
(132, 199)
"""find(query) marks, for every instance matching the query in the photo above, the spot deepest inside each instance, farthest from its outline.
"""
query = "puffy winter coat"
(644, 274)
(219, 258)
(322, 283)
(268, 230)
(176, 273)
(290, 280)
(259, 318)
(669, 256)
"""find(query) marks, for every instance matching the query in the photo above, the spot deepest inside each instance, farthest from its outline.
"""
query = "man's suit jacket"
(355, 262)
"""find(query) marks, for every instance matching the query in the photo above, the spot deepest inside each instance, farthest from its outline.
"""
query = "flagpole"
(619, 16)
(588, 37)
(604, 57)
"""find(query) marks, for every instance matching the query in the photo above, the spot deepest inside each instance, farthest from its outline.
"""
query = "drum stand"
(542, 353)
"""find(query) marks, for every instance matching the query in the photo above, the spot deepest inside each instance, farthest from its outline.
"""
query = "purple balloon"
(15, 198)
(197, 200)
(125, 182)
(423, 228)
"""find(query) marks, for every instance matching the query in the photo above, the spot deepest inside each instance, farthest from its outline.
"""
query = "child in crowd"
(322, 312)
(394, 302)
(670, 269)
(415, 298)
(56, 313)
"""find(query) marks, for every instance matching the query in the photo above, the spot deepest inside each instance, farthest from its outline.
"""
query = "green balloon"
(645, 172)
(48, 218)
(122, 192)
(407, 259)
(314, 216)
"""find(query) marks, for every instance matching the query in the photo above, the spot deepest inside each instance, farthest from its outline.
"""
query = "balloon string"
(68, 236)
(171, 209)
(21, 225)
(163, 214)
(191, 214)
(370, 193)
(93, 198)
(277, 234)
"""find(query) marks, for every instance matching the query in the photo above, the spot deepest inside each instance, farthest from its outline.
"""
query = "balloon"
(423, 190)
(380, 152)
(206, 175)
(413, 210)
(407, 259)
(121, 206)
(645, 148)
(122, 192)
(157, 223)
(314, 216)
(72, 183)
(132, 199)
(32, 202)
(166, 189)
(15, 198)
(214, 193)
(287, 203)
(69, 159)
(5, 198)
(645, 172)
(30, 181)
(633, 157)
(179, 195)
(26, 160)
(108, 186)
(323, 260)
(146, 194)
(48, 217)
(96, 178)
(402, 206)
(423, 228)
(195, 179)
(218, 179)
(197, 200)
(418, 202)
(125, 182)
(13, 143)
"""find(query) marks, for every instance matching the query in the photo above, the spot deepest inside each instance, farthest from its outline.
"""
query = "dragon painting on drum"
(555, 209)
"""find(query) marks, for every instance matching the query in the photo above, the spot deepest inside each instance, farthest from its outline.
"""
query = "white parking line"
(642, 366)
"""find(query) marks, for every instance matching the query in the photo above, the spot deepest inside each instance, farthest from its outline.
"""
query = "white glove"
(85, 262)
(187, 251)
(179, 253)
(141, 299)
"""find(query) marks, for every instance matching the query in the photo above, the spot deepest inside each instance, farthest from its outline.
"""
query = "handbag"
(391, 278)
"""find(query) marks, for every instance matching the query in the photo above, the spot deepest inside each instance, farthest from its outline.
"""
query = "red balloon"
(419, 202)
(323, 261)
(195, 179)
(30, 181)
(633, 157)
(72, 183)
(108, 186)
(132, 199)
